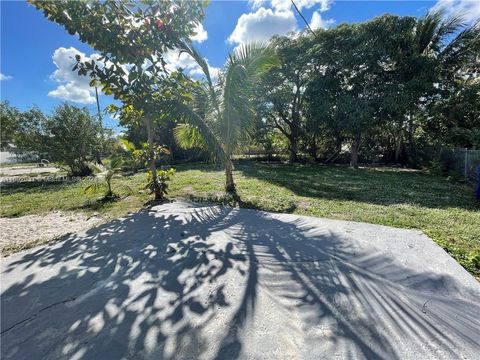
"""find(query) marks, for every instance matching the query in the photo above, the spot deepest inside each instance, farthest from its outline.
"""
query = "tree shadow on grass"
(189, 282)
(36, 186)
(200, 166)
(370, 185)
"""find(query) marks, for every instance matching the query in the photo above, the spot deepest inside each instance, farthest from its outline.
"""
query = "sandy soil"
(33, 229)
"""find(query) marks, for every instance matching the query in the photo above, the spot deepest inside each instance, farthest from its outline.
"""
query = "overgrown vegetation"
(383, 90)
(70, 135)
(386, 90)
(445, 211)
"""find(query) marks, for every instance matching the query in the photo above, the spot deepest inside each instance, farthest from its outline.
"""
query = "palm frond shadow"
(196, 283)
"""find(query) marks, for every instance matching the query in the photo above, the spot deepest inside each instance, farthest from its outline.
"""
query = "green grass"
(445, 211)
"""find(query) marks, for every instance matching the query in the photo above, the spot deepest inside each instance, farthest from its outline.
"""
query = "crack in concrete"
(37, 313)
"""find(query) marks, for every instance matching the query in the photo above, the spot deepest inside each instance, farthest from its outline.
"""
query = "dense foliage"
(390, 86)
(70, 135)
(388, 90)
(132, 38)
(393, 90)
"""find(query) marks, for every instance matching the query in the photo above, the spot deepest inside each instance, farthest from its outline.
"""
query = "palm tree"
(220, 116)
(104, 176)
(447, 38)
(437, 43)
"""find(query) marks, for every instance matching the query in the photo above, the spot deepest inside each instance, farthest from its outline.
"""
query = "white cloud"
(470, 9)
(324, 5)
(5, 77)
(255, 4)
(214, 72)
(71, 91)
(74, 87)
(282, 5)
(276, 17)
(200, 34)
(175, 61)
(317, 22)
(71, 86)
(262, 25)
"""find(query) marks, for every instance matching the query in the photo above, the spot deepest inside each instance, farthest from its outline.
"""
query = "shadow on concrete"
(189, 282)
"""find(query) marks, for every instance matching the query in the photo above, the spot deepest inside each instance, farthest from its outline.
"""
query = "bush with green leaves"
(147, 156)
(130, 155)
(159, 183)
(70, 136)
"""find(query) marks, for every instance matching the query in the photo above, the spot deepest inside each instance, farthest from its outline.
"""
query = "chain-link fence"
(460, 162)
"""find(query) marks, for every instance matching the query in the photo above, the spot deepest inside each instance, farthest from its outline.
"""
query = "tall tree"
(71, 136)
(132, 38)
(345, 89)
(280, 93)
(420, 53)
(454, 114)
(221, 116)
(9, 124)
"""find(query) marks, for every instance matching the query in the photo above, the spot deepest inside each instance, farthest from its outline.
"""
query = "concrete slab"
(183, 281)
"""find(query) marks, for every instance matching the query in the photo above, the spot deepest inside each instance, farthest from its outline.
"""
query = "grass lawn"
(445, 211)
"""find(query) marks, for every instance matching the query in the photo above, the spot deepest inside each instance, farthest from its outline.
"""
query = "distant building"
(13, 155)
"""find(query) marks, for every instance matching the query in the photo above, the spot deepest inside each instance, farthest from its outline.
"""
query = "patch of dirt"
(30, 230)
(15, 171)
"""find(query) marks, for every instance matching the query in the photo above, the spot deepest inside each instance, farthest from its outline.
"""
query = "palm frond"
(216, 119)
(243, 69)
(435, 28)
(460, 49)
(115, 164)
(194, 120)
(97, 168)
(188, 48)
(450, 25)
(127, 145)
(255, 57)
(188, 137)
(92, 188)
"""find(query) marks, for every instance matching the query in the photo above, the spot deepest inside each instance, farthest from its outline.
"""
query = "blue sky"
(36, 54)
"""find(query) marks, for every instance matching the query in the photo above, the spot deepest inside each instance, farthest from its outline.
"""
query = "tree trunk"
(338, 144)
(411, 142)
(110, 192)
(98, 155)
(354, 152)
(293, 149)
(398, 148)
(229, 183)
(314, 148)
(153, 167)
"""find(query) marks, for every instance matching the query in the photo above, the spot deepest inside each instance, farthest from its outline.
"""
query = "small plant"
(103, 177)
(156, 181)
(131, 155)
(159, 185)
(145, 155)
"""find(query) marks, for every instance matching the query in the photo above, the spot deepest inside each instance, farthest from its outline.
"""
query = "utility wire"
(303, 18)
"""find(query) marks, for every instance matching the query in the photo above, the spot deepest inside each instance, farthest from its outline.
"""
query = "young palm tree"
(221, 117)
(104, 176)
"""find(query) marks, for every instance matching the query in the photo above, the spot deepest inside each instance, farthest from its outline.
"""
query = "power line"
(303, 18)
